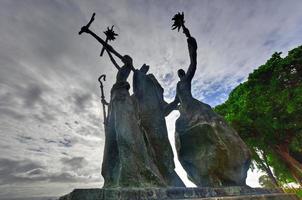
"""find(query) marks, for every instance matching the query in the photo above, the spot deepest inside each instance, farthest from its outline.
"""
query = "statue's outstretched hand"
(84, 29)
(104, 102)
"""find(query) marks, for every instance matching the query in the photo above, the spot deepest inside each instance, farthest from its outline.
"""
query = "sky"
(51, 129)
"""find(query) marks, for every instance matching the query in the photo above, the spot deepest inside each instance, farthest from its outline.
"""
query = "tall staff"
(110, 36)
(104, 102)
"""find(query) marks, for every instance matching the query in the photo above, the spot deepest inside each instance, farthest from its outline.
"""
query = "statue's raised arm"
(113, 60)
(192, 47)
(179, 23)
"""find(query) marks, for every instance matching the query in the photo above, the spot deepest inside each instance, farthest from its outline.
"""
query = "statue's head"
(127, 60)
(144, 68)
(181, 73)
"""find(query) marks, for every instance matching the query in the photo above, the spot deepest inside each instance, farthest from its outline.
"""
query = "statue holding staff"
(126, 162)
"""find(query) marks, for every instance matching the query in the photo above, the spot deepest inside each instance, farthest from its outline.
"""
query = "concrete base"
(203, 193)
(256, 197)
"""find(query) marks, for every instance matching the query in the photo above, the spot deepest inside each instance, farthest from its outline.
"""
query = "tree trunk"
(294, 167)
(264, 165)
(268, 170)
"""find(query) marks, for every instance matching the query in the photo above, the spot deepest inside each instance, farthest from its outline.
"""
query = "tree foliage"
(266, 182)
(266, 110)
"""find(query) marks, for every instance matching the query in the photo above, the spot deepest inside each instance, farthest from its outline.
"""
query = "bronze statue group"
(137, 150)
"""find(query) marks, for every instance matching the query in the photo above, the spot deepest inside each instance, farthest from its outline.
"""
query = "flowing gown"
(126, 161)
(149, 95)
(210, 151)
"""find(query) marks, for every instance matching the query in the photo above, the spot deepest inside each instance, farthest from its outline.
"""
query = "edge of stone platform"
(169, 193)
(275, 196)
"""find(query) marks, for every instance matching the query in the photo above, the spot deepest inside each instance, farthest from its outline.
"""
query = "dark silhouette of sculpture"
(210, 151)
(110, 36)
(137, 150)
(104, 103)
(126, 162)
(149, 95)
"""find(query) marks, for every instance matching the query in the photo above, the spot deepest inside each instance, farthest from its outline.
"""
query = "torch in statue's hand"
(110, 36)
(178, 21)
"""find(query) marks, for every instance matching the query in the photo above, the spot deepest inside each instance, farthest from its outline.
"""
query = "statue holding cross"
(127, 159)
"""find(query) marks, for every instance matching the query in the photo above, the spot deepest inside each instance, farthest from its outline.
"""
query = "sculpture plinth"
(206, 193)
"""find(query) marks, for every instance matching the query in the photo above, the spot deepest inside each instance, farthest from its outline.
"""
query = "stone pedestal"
(202, 193)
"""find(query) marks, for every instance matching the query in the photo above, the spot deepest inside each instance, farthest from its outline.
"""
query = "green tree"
(266, 182)
(266, 110)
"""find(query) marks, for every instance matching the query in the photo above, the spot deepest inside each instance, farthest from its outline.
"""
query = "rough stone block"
(201, 193)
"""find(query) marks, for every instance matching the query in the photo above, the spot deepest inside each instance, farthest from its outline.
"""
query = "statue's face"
(181, 73)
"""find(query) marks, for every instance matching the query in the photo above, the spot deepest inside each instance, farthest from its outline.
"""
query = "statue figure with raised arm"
(126, 161)
(210, 151)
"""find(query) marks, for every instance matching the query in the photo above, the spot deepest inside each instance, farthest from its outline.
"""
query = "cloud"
(32, 96)
(29, 171)
(82, 101)
(11, 113)
(75, 162)
(11, 170)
